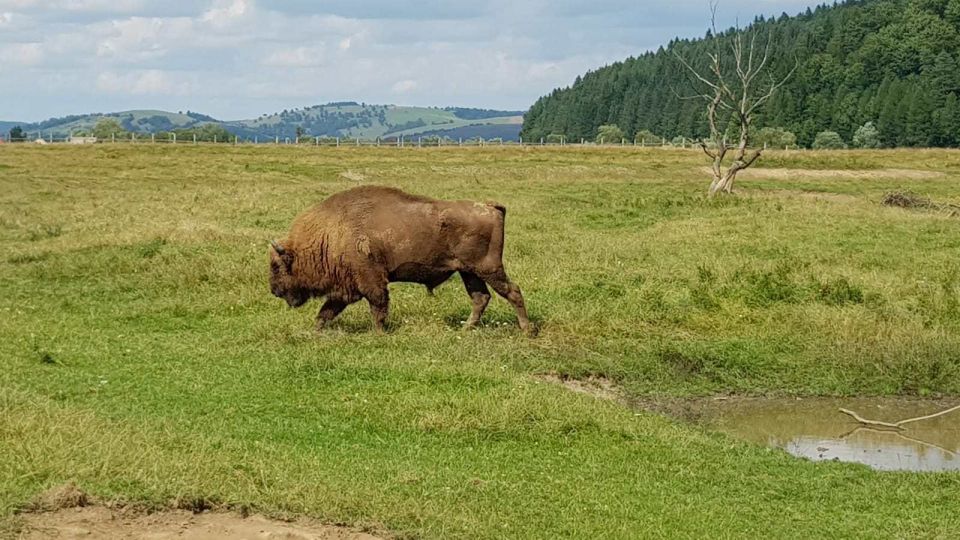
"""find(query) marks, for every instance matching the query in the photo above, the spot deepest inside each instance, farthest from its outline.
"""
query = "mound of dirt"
(599, 387)
(60, 497)
(910, 200)
(99, 522)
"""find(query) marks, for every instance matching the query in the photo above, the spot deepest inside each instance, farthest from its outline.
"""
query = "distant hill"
(895, 63)
(341, 119)
(349, 119)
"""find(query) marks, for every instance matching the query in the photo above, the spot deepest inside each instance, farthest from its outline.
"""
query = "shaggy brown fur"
(350, 246)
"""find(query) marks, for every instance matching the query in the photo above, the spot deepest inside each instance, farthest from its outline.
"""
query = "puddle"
(815, 429)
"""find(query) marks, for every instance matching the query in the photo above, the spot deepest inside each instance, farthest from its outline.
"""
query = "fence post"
(316, 141)
(276, 140)
(153, 138)
(358, 142)
(460, 141)
(174, 138)
(338, 142)
(236, 140)
(419, 142)
(601, 141)
(194, 138)
(214, 139)
(541, 141)
(113, 137)
(378, 142)
(256, 139)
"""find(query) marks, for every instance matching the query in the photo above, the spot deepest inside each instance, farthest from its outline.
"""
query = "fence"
(398, 142)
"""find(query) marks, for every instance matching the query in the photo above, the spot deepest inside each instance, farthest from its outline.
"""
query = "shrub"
(828, 140)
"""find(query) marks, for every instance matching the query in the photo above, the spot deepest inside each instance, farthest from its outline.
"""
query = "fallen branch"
(900, 424)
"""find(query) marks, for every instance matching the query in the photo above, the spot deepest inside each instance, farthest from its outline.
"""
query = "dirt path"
(858, 174)
(99, 522)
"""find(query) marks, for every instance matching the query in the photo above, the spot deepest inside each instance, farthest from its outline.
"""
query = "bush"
(828, 140)
(106, 128)
(609, 133)
(775, 137)
(647, 137)
(867, 136)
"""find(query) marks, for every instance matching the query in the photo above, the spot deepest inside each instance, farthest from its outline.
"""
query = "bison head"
(283, 284)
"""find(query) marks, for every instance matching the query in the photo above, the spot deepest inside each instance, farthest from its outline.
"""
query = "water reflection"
(816, 430)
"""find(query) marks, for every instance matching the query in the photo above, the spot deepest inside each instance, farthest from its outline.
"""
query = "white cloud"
(298, 57)
(404, 86)
(225, 12)
(147, 82)
(22, 54)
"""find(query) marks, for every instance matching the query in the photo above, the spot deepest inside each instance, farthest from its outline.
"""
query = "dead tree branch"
(900, 424)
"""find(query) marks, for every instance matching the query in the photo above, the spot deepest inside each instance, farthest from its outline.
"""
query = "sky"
(236, 59)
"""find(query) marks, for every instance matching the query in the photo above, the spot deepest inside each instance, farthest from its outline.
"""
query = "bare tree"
(733, 93)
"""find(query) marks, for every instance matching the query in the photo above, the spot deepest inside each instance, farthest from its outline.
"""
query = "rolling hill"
(341, 119)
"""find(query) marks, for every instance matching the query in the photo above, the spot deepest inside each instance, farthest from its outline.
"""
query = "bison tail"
(500, 208)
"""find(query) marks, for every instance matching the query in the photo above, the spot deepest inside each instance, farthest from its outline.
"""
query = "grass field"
(144, 358)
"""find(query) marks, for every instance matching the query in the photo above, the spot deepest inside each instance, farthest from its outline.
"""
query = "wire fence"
(397, 142)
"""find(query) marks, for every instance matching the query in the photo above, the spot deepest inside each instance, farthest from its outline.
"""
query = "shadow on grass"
(490, 320)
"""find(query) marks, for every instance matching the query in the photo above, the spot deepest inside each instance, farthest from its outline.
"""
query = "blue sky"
(239, 58)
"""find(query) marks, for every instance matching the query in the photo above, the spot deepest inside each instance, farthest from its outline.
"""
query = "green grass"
(144, 357)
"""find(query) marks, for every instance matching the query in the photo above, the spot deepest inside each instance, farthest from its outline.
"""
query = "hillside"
(349, 119)
(892, 62)
(344, 119)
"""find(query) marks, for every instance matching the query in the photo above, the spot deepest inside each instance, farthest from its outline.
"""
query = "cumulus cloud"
(146, 82)
(296, 57)
(240, 58)
(404, 86)
(22, 54)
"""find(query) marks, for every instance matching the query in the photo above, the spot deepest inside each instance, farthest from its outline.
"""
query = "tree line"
(869, 73)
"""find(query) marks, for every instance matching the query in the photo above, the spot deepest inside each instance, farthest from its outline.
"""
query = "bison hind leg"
(499, 281)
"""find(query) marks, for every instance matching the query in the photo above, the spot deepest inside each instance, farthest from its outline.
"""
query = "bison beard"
(352, 245)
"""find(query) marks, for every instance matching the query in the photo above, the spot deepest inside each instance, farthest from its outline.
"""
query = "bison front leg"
(379, 307)
(479, 295)
(331, 308)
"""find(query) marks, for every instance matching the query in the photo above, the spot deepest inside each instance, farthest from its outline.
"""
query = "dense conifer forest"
(890, 63)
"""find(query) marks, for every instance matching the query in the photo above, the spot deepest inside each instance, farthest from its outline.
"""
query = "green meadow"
(144, 358)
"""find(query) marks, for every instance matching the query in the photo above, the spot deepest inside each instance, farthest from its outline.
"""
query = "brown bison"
(352, 245)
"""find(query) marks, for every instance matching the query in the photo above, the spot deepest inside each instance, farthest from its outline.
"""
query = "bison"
(352, 245)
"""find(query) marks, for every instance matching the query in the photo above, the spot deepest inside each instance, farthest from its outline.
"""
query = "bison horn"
(277, 247)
